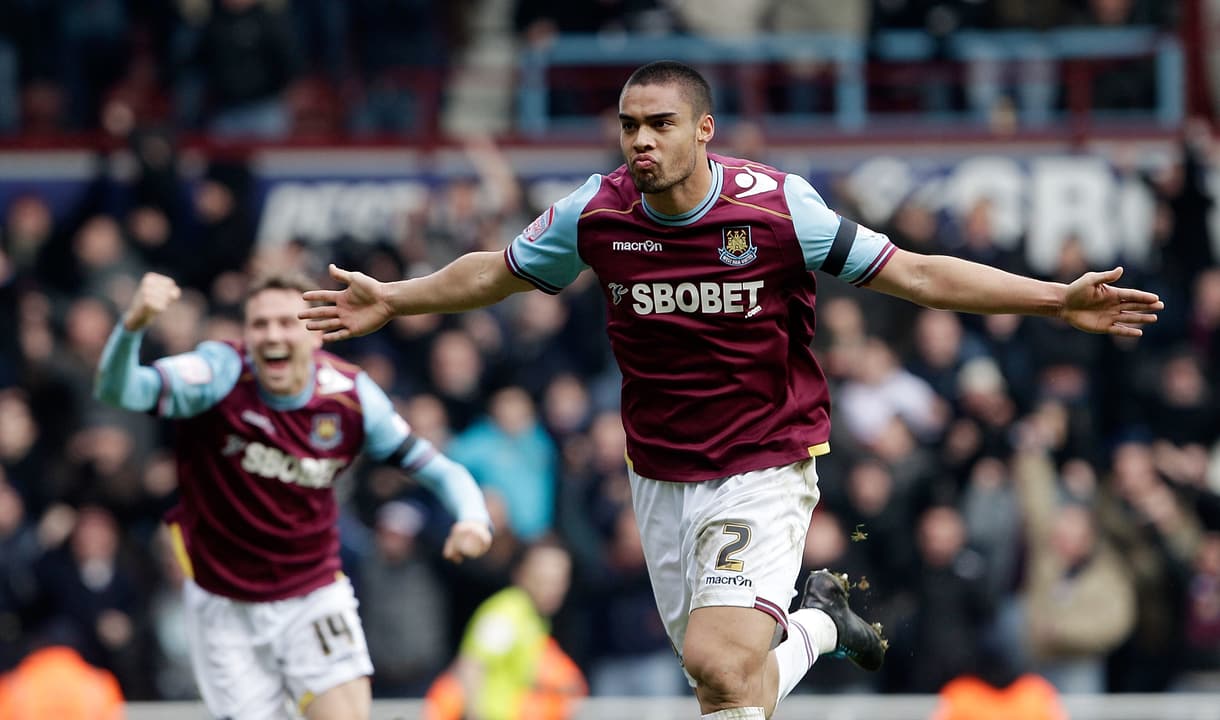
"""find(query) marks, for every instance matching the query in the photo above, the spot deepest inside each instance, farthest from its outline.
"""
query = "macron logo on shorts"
(734, 580)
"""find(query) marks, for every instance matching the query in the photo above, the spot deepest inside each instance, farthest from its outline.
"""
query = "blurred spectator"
(592, 492)
(951, 611)
(427, 417)
(881, 390)
(225, 224)
(401, 50)
(1078, 600)
(632, 656)
(1023, 81)
(539, 351)
(984, 401)
(1158, 537)
(737, 87)
(403, 604)
(23, 448)
(939, 20)
(509, 452)
(106, 262)
(243, 59)
(538, 22)
(509, 668)
(883, 514)
(473, 581)
(1182, 186)
(942, 347)
(992, 515)
(93, 50)
(87, 593)
(455, 371)
(566, 407)
(978, 239)
(322, 28)
(19, 551)
(1184, 411)
(1205, 322)
(1126, 84)
(1028, 697)
(808, 76)
(1006, 343)
(1202, 662)
(55, 682)
(28, 225)
(10, 79)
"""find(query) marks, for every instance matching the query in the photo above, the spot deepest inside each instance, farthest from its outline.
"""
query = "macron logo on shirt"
(647, 246)
(753, 183)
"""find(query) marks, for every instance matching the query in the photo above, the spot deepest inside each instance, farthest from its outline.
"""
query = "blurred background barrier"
(1042, 136)
(830, 707)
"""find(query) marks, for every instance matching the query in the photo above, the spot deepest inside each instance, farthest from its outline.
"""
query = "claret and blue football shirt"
(710, 313)
(256, 516)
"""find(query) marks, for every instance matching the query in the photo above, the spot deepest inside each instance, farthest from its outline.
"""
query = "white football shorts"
(736, 541)
(265, 660)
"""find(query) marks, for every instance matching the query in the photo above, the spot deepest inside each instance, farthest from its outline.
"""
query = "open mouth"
(276, 359)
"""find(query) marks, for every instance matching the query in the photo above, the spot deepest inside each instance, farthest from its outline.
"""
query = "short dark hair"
(670, 72)
(280, 280)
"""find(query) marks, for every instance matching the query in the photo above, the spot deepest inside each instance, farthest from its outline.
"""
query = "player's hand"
(467, 539)
(357, 310)
(1094, 305)
(154, 293)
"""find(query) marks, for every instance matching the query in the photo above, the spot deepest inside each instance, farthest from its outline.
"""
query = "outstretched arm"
(388, 437)
(1090, 303)
(472, 281)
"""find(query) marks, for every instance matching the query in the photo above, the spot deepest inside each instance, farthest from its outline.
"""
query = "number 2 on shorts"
(334, 627)
(725, 559)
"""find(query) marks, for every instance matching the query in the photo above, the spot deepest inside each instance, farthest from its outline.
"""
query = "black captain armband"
(395, 458)
(845, 237)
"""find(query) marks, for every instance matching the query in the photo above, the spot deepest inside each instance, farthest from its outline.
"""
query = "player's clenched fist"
(467, 539)
(155, 293)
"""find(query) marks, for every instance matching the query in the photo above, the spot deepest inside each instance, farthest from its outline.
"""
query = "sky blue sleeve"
(121, 381)
(195, 381)
(177, 386)
(545, 253)
(831, 243)
(384, 428)
(388, 438)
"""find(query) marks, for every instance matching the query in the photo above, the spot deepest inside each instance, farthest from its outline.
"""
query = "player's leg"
(352, 699)
(727, 652)
(748, 532)
(237, 678)
(323, 653)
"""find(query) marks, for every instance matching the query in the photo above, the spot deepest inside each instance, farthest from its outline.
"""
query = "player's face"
(661, 138)
(279, 343)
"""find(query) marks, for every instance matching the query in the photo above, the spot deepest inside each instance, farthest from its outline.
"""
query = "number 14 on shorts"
(331, 630)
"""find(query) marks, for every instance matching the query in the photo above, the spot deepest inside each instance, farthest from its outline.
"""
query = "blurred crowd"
(1007, 494)
(327, 68)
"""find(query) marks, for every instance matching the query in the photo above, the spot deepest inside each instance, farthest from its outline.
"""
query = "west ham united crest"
(737, 246)
(326, 432)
